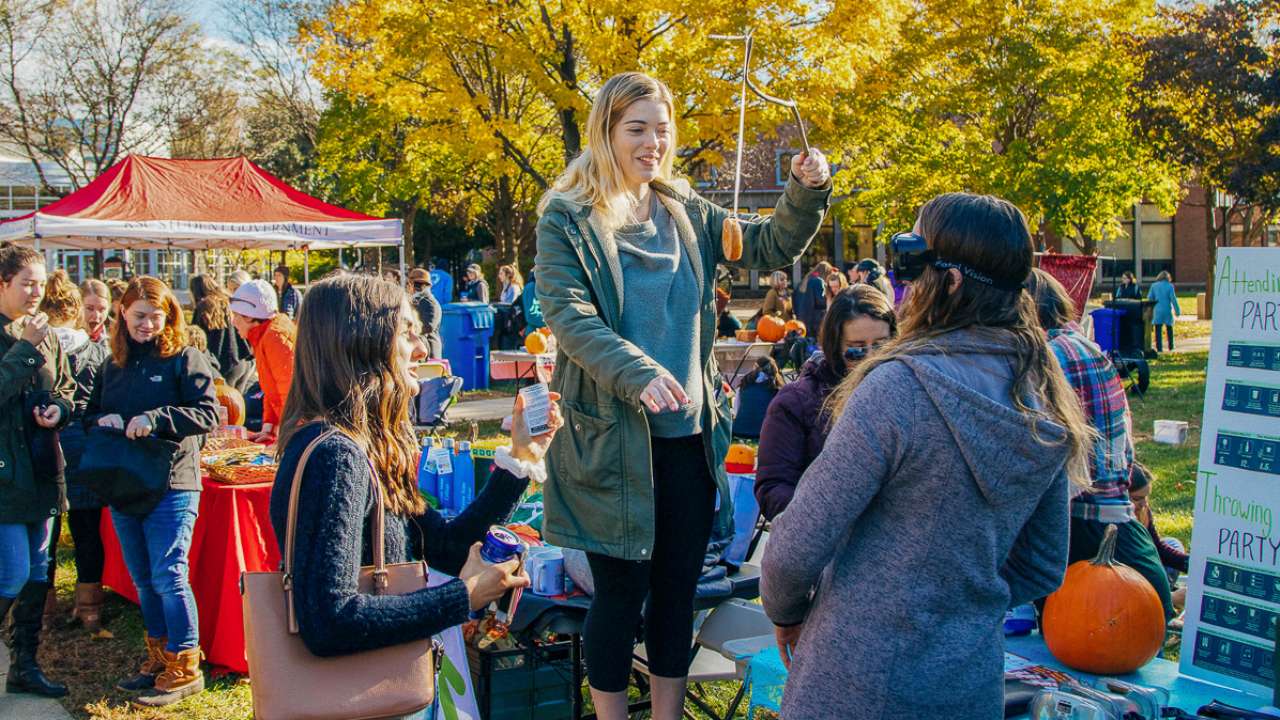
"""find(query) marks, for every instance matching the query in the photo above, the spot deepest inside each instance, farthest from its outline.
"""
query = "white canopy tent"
(225, 204)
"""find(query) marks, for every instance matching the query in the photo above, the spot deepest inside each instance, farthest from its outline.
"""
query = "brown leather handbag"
(289, 682)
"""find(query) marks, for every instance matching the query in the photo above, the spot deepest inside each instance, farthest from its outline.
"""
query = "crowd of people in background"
(932, 402)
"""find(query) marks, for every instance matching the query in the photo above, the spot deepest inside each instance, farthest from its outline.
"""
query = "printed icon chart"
(1247, 452)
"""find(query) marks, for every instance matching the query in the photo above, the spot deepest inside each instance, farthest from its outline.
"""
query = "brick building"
(1150, 242)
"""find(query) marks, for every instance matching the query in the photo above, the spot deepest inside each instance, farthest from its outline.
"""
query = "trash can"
(465, 330)
(1106, 328)
(1134, 333)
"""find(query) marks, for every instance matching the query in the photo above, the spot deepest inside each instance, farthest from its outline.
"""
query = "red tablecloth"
(232, 535)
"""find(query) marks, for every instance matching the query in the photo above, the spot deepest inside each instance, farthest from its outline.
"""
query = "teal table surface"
(1186, 693)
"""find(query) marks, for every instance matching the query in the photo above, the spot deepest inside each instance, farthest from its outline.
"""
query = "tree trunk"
(568, 71)
(406, 233)
(1211, 245)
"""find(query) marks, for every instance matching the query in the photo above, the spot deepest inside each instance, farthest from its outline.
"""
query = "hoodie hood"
(71, 339)
(968, 376)
(817, 368)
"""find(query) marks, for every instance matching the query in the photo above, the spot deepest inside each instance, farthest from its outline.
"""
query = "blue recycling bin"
(465, 330)
(1106, 328)
(441, 285)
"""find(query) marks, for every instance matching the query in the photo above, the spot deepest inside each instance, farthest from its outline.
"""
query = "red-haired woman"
(156, 386)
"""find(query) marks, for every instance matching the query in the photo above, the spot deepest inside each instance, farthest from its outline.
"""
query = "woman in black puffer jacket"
(157, 387)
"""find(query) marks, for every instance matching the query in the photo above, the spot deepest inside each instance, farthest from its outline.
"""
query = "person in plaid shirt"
(1102, 396)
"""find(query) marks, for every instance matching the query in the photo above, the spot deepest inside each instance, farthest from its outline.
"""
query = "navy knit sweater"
(335, 515)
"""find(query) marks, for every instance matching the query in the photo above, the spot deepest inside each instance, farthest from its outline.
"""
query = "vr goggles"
(911, 255)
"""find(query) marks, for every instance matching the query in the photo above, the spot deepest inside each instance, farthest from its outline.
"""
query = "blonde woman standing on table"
(626, 279)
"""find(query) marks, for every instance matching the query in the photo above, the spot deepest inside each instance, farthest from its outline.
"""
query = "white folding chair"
(731, 620)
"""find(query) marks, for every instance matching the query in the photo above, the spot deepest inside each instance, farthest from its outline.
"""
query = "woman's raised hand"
(486, 583)
(811, 168)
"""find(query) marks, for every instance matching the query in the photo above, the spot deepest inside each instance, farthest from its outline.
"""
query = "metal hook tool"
(732, 235)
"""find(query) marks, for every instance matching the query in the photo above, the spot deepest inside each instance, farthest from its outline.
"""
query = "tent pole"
(403, 275)
(306, 266)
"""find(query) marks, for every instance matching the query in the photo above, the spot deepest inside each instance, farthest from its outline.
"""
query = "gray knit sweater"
(918, 530)
(660, 311)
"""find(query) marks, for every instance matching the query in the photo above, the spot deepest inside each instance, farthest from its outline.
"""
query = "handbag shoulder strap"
(291, 528)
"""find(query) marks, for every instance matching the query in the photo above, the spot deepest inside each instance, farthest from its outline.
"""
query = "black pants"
(87, 535)
(1168, 329)
(684, 497)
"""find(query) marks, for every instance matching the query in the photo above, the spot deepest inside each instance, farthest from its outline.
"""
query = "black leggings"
(1169, 330)
(684, 496)
(86, 533)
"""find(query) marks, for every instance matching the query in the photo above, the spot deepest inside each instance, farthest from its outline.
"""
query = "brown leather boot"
(151, 667)
(89, 599)
(181, 678)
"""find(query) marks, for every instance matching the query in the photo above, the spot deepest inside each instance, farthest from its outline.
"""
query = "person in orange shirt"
(272, 334)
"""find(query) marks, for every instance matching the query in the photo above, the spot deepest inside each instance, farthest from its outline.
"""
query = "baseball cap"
(255, 299)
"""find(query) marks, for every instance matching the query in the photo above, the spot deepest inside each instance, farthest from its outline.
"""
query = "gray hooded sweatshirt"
(918, 530)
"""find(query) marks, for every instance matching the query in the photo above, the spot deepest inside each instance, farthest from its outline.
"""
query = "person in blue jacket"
(1166, 307)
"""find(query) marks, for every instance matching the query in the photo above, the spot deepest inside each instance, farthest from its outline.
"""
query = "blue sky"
(207, 13)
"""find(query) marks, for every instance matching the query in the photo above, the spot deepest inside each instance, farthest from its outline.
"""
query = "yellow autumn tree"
(503, 89)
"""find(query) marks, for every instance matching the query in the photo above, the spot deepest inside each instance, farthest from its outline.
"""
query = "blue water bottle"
(464, 476)
(428, 482)
(1020, 620)
(448, 500)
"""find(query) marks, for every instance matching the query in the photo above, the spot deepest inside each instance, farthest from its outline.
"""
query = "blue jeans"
(155, 550)
(24, 555)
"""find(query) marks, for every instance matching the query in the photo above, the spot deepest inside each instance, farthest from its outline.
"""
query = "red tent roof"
(197, 203)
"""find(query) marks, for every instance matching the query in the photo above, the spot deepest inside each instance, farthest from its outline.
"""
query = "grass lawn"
(91, 667)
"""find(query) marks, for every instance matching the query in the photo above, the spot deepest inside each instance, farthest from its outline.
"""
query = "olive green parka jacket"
(599, 494)
(27, 496)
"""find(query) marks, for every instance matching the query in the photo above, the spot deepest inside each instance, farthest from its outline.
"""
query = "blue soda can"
(500, 545)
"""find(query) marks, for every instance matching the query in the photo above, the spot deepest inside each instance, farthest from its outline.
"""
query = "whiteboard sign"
(1233, 593)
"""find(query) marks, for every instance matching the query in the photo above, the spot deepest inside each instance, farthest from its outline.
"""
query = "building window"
(1156, 235)
(782, 169)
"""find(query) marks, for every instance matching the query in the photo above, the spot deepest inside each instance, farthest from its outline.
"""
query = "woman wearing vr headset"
(626, 266)
(935, 518)
(859, 319)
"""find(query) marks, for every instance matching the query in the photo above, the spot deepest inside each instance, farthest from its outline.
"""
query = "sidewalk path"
(25, 707)
(480, 410)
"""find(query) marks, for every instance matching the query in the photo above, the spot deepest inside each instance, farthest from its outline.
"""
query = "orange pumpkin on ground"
(793, 325)
(1106, 619)
(770, 328)
(231, 399)
(535, 343)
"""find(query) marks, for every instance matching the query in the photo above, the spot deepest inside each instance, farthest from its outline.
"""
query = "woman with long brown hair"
(213, 315)
(156, 387)
(357, 342)
(985, 428)
(64, 306)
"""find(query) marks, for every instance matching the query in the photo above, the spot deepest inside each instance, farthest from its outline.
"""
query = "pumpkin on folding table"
(535, 343)
(1106, 619)
(231, 399)
(793, 325)
(770, 328)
